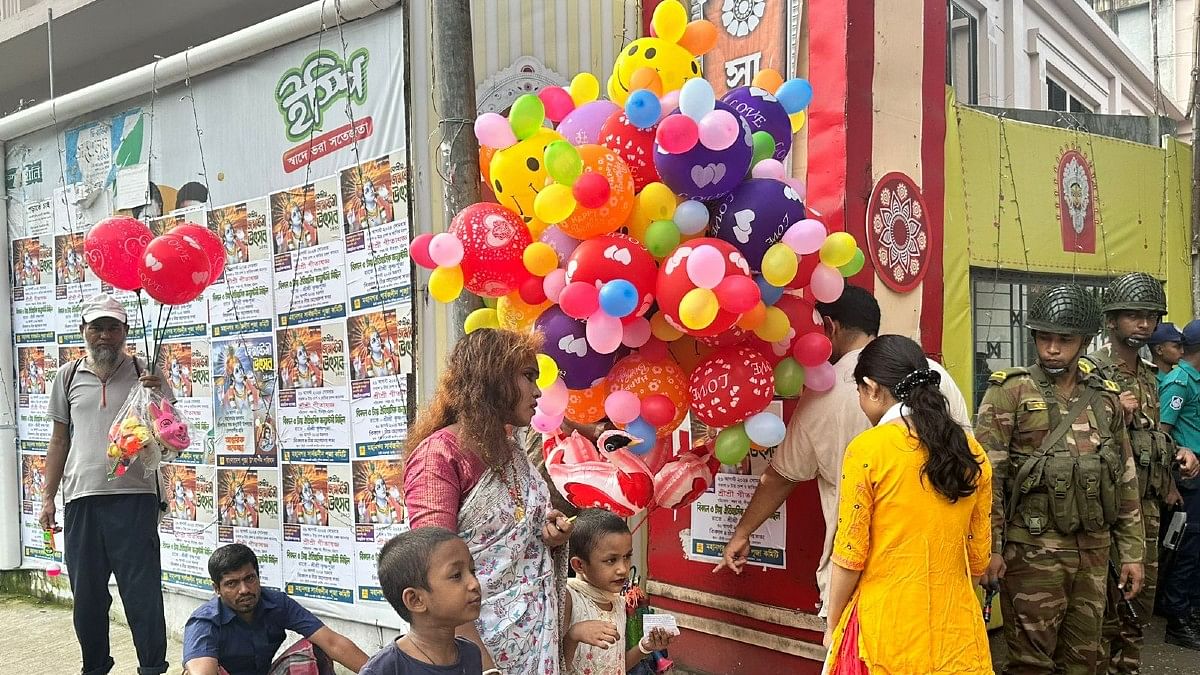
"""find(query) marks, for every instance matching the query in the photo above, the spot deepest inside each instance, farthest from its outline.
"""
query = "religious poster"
(243, 374)
(188, 531)
(36, 363)
(378, 516)
(378, 268)
(187, 368)
(380, 355)
(314, 403)
(309, 255)
(33, 480)
(318, 531)
(248, 513)
(243, 299)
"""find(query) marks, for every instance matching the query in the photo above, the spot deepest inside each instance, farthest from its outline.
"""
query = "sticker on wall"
(898, 234)
(1075, 186)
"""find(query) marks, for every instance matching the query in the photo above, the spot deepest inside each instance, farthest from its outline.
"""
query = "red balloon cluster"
(173, 268)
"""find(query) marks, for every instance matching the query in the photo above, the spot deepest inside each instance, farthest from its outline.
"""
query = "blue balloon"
(618, 298)
(643, 109)
(770, 294)
(643, 430)
(696, 98)
(766, 429)
(795, 95)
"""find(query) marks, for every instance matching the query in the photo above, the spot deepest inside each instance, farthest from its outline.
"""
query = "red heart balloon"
(113, 249)
(730, 386)
(174, 270)
(210, 242)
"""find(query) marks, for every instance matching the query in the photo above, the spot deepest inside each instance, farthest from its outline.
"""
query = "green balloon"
(661, 238)
(489, 302)
(764, 146)
(526, 116)
(789, 378)
(563, 162)
(732, 445)
(855, 265)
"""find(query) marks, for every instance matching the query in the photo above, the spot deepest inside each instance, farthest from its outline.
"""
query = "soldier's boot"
(1182, 634)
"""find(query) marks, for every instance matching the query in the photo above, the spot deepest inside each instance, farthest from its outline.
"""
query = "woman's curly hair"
(477, 390)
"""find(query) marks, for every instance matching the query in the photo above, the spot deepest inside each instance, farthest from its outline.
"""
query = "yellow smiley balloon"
(518, 174)
(666, 54)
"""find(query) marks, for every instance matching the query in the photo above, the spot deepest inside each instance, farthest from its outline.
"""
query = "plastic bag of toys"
(147, 428)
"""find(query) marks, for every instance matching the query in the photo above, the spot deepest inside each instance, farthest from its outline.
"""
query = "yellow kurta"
(917, 610)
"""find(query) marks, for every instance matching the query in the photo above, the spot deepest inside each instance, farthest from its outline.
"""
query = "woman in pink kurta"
(464, 472)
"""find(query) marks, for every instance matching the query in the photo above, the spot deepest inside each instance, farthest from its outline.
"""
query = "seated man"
(239, 631)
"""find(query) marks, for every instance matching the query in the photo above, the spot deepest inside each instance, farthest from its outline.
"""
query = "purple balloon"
(558, 240)
(706, 174)
(763, 112)
(755, 216)
(582, 125)
(580, 366)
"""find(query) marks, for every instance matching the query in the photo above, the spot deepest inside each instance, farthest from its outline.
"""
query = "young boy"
(428, 577)
(601, 555)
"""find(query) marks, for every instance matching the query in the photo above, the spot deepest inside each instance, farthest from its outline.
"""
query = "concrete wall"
(1128, 127)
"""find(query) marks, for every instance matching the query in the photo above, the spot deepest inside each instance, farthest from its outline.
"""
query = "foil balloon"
(607, 475)
(683, 479)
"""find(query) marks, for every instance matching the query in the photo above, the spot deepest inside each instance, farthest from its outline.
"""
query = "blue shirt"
(391, 661)
(217, 631)
(1179, 404)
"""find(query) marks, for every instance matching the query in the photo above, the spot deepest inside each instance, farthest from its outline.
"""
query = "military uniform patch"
(1112, 386)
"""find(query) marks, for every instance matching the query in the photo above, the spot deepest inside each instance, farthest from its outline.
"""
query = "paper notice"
(133, 186)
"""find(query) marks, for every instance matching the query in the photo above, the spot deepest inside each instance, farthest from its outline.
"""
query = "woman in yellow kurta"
(913, 528)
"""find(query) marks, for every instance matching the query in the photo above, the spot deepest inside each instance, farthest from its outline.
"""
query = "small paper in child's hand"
(663, 621)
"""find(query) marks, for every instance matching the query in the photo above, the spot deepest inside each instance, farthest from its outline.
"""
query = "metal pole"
(1195, 111)
(50, 47)
(454, 98)
(1155, 120)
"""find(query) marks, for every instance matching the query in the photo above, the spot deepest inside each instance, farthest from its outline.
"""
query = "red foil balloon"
(674, 283)
(634, 145)
(173, 270)
(615, 256)
(493, 240)
(680, 481)
(730, 386)
(113, 250)
(210, 242)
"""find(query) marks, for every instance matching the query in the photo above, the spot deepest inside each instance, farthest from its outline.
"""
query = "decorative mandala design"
(741, 17)
(899, 234)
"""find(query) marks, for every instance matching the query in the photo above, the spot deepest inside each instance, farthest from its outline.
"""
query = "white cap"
(103, 305)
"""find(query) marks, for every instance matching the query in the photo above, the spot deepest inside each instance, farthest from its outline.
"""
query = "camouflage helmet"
(1066, 309)
(1135, 291)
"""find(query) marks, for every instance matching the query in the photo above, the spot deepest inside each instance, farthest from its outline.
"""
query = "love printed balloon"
(730, 386)
(113, 250)
(755, 215)
(763, 112)
(705, 174)
(210, 242)
(493, 240)
(600, 260)
(174, 270)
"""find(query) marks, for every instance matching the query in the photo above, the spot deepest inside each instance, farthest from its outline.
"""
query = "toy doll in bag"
(148, 428)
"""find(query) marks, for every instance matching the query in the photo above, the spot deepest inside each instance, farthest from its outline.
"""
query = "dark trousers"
(118, 535)
(1178, 592)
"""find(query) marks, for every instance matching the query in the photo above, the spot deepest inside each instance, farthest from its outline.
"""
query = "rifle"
(1114, 575)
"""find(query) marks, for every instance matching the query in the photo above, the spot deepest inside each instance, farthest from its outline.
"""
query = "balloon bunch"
(660, 246)
(173, 268)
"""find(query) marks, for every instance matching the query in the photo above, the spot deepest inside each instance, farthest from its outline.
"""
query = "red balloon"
(615, 256)
(634, 145)
(804, 271)
(812, 349)
(653, 350)
(493, 240)
(658, 409)
(579, 300)
(730, 386)
(210, 242)
(591, 190)
(674, 283)
(734, 335)
(113, 249)
(738, 294)
(803, 319)
(531, 291)
(173, 269)
(419, 250)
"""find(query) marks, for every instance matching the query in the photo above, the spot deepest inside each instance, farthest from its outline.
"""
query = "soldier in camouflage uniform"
(1064, 489)
(1133, 306)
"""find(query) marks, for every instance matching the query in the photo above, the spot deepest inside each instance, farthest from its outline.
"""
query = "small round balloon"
(493, 240)
(113, 250)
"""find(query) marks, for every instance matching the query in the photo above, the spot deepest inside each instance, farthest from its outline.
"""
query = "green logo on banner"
(304, 94)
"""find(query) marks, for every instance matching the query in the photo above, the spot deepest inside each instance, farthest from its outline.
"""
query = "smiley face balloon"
(671, 54)
(518, 173)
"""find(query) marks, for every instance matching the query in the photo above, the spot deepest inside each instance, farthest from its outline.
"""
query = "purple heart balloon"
(755, 216)
(579, 365)
(763, 112)
(582, 125)
(704, 174)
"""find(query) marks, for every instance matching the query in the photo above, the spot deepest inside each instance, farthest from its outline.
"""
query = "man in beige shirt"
(821, 427)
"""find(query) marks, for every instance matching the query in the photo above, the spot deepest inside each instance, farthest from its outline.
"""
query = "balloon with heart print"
(210, 242)
(731, 385)
(674, 284)
(644, 378)
(173, 269)
(703, 173)
(755, 215)
(763, 112)
(113, 250)
(633, 145)
(565, 341)
(599, 260)
(493, 240)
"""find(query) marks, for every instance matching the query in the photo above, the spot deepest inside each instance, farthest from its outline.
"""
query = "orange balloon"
(769, 79)
(586, 223)
(646, 78)
(485, 163)
(586, 406)
(753, 318)
(699, 37)
(644, 377)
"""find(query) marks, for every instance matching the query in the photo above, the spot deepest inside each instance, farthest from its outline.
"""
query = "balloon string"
(142, 314)
(164, 323)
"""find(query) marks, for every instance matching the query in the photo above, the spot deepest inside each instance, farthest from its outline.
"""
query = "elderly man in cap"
(111, 526)
(1166, 349)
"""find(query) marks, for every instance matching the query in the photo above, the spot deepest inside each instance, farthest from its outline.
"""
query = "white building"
(1058, 55)
(1176, 49)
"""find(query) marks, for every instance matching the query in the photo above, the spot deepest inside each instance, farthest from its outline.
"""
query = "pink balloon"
(805, 236)
(557, 103)
(669, 102)
(554, 399)
(718, 130)
(445, 249)
(418, 249)
(603, 332)
(738, 294)
(820, 377)
(554, 283)
(580, 301)
(706, 267)
(494, 131)
(545, 423)
(797, 185)
(636, 333)
(827, 283)
(113, 250)
(677, 134)
(769, 168)
(622, 407)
